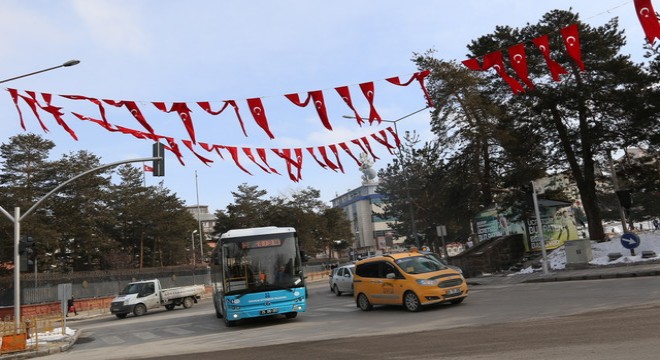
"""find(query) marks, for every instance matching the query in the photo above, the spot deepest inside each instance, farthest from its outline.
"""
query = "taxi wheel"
(335, 290)
(411, 302)
(457, 301)
(364, 303)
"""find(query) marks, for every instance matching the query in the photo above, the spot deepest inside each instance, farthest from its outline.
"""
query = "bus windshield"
(261, 263)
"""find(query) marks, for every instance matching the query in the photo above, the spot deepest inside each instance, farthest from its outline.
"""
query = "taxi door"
(390, 290)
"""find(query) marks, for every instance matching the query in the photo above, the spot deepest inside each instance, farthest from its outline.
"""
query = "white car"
(342, 279)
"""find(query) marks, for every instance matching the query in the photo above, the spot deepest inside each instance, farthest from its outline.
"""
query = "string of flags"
(518, 59)
(326, 156)
(40, 103)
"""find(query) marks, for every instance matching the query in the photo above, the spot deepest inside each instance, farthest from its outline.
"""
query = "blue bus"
(257, 272)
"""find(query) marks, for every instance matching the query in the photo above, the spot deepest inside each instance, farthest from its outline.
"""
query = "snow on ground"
(649, 241)
(54, 335)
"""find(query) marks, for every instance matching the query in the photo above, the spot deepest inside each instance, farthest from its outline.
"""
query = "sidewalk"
(637, 269)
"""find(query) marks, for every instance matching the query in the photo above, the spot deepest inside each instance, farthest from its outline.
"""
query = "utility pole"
(615, 183)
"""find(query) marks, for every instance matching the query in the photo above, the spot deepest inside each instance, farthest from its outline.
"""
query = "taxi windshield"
(419, 264)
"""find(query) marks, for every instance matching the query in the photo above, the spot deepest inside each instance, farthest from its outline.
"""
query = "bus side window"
(216, 258)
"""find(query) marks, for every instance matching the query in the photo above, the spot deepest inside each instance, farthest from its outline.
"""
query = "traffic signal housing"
(159, 165)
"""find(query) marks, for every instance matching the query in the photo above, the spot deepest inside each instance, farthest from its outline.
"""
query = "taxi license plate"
(268, 311)
(453, 291)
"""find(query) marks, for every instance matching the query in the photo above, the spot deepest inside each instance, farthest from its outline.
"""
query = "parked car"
(410, 279)
(341, 280)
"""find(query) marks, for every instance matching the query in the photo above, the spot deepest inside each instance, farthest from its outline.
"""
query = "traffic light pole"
(16, 219)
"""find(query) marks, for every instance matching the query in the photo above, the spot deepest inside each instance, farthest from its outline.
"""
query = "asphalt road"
(602, 335)
(599, 318)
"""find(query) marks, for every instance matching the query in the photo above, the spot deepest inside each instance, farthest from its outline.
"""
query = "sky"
(174, 51)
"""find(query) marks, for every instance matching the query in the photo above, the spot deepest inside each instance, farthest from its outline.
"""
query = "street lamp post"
(413, 225)
(66, 64)
(17, 217)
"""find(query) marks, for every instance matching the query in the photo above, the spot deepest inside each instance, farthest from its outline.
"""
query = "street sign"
(442, 230)
(630, 240)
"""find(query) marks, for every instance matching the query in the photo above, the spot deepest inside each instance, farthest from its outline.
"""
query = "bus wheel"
(228, 323)
(218, 314)
(291, 315)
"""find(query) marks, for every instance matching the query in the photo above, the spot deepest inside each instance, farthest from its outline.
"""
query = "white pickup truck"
(140, 296)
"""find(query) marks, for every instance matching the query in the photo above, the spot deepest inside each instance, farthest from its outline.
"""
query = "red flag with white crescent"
(345, 94)
(369, 92)
(319, 103)
(135, 111)
(572, 43)
(259, 114)
(327, 161)
(182, 109)
(189, 145)
(310, 150)
(262, 155)
(518, 60)
(233, 151)
(495, 61)
(542, 43)
(31, 103)
(648, 19)
(419, 76)
(248, 153)
(345, 147)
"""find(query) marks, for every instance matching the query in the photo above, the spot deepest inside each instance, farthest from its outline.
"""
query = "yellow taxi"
(409, 278)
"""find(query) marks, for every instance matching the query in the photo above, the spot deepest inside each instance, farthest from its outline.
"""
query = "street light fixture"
(18, 217)
(66, 64)
(413, 226)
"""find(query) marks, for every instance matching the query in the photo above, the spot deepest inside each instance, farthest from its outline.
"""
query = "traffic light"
(159, 165)
(28, 251)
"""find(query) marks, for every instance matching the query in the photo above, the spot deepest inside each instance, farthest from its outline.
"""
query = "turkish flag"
(518, 60)
(572, 43)
(419, 76)
(259, 114)
(495, 61)
(345, 94)
(319, 103)
(148, 168)
(369, 92)
(183, 111)
(542, 43)
(648, 20)
(472, 64)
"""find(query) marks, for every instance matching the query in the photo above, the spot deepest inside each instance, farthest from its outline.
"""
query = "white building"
(363, 208)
